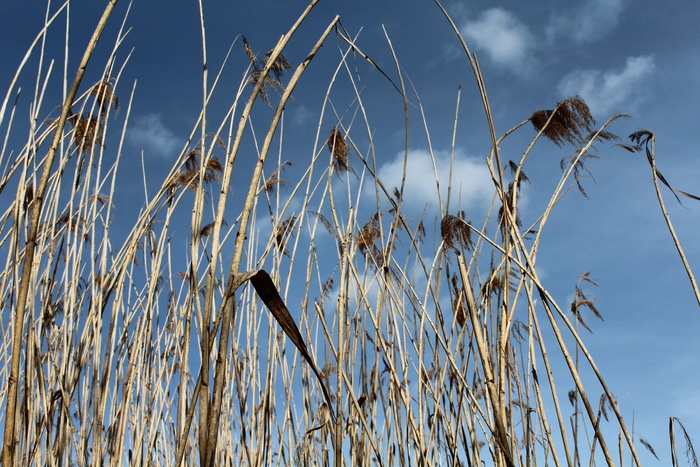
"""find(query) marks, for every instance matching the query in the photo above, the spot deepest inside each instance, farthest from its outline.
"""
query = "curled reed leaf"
(641, 139)
(267, 291)
(646, 444)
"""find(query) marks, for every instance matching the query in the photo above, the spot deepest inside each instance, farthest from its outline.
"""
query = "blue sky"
(622, 56)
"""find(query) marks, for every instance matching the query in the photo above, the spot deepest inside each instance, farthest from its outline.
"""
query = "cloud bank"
(501, 35)
(607, 92)
(588, 23)
(471, 181)
(150, 135)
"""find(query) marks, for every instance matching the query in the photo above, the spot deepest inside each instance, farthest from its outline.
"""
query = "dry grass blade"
(346, 37)
(647, 139)
(689, 449)
(642, 139)
(568, 122)
(268, 293)
(649, 447)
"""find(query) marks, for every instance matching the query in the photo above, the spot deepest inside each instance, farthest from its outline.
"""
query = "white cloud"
(607, 92)
(593, 20)
(302, 115)
(471, 180)
(499, 33)
(149, 134)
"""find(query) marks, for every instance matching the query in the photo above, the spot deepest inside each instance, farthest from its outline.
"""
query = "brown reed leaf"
(646, 444)
(266, 290)
(340, 151)
(566, 123)
(192, 159)
(101, 198)
(642, 138)
(605, 401)
(455, 231)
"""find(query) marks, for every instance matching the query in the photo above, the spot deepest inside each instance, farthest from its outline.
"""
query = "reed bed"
(305, 320)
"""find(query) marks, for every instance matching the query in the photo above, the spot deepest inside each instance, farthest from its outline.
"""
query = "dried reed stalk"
(9, 440)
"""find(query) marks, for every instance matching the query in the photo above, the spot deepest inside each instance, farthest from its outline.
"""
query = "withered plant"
(320, 325)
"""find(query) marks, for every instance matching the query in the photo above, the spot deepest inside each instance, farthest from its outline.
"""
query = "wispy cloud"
(471, 181)
(587, 23)
(150, 135)
(301, 115)
(507, 41)
(607, 92)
